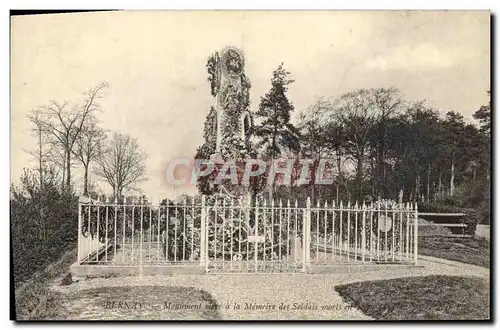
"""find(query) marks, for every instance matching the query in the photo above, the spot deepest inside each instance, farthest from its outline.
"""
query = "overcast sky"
(154, 63)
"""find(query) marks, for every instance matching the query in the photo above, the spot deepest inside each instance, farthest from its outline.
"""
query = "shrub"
(484, 211)
(43, 225)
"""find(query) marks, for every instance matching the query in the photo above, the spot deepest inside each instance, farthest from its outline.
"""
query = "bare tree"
(358, 115)
(121, 164)
(387, 102)
(64, 122)
(88, 148)
(314, 135)
(42, 151)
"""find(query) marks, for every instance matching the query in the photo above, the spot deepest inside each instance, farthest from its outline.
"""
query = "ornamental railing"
(225, 234)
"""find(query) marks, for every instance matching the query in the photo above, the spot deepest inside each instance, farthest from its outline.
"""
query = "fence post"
(78, 258)
(256, 232)
(306, 232)
(415, 235)
(203, 242)
(363, 234)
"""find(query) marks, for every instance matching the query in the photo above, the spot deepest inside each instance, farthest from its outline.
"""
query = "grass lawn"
(133, 303)
(34, 300)
(420, 298)
(475, 251)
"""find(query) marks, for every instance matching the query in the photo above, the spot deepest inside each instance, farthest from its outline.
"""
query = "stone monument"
(229, 125)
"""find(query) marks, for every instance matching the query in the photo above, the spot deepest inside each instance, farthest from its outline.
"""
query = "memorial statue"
(229, 124)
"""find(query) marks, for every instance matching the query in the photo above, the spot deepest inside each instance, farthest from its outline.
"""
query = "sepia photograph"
(250, 165)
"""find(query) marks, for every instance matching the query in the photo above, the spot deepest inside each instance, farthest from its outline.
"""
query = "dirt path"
(266, 296)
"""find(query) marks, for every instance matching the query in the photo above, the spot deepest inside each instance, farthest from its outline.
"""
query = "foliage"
(484, 117)
(275, 133)
(389, 148)
(45, 217)
(213, 73)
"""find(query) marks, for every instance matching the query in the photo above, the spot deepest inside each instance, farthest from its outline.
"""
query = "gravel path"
(260, 296)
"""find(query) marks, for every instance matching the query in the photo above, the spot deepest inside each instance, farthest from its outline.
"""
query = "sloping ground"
(421, 298)
(32, 295)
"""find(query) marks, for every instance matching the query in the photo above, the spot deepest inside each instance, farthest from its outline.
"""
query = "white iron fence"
(230, 235)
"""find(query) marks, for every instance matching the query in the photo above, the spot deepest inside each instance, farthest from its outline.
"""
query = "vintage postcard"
(251, 165)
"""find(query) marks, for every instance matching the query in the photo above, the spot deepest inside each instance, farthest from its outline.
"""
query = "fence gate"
(261, 238)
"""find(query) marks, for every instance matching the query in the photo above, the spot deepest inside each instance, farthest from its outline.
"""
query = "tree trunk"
(85, 180)
(452, 179)
(271, 187)
(68, 168)
(337, 198)
(340, 177)
(428, 181)
(381, 180)
(40, 161)
(120, 194)
(440, 186)
(63, 173)
(359, 175)
(417, 186)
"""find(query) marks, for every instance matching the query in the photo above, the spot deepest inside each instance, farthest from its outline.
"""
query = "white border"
(178, 5)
